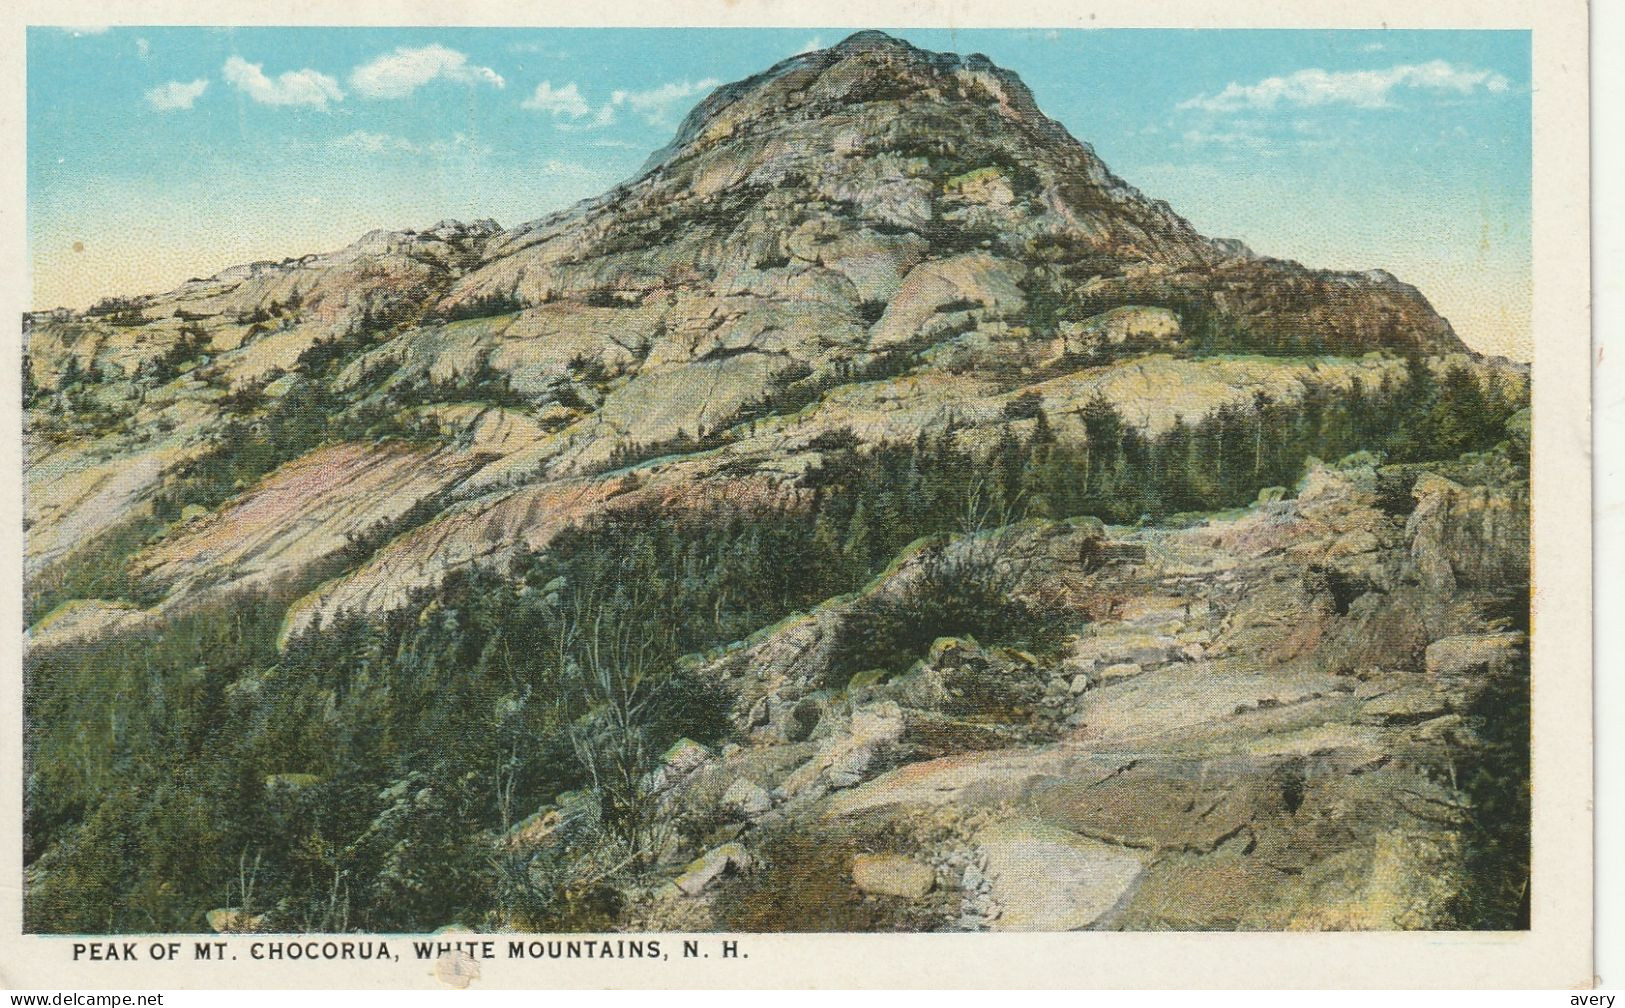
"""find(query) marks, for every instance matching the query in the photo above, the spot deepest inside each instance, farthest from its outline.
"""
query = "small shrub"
(963, 594)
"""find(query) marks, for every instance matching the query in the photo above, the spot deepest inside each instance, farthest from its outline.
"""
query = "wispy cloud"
(1360, 88)
(572, 112)
(655, 104)
(539, 49)
(176, 94)
(459, 145)
(563, 102)
(376, 143)
(398, 74)
(811, 45)
(143, 48)
(605, 116)
(1258, 138)
(295, 87)
(1236, 139)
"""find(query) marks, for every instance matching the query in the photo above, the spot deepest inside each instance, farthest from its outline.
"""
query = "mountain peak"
(865, 68)
(871, 40)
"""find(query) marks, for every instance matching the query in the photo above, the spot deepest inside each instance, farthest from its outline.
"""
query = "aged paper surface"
(835, 495)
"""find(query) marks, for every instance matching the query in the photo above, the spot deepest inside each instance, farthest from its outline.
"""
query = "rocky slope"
(1259, 726)
(863, 247)
(852, 211)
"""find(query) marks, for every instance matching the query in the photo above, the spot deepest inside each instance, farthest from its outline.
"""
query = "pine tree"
(1103, 430)
(857, 546)
(827, 561)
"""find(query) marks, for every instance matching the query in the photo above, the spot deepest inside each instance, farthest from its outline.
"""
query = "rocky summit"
(874, 515)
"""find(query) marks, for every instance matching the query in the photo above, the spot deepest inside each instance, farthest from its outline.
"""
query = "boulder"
(684, 756)
(746, 798)
(1471, 653)
(880, 724)
(892, 875)
(1469, 537)
(1122, 670)
(850, 767)
(803, 719)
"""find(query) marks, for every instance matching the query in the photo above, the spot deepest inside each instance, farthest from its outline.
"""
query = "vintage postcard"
(918, 495)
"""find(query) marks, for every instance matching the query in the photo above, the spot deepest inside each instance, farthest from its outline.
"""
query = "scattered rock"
(710, 866)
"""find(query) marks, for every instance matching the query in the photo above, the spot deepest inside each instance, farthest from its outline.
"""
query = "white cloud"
(176, 94)
(655, 103)
(143, 48)
(605, 116)
(296, 87)
(375, 143)
(811, 45)
(398, 74)
(1361, 88)
(572, 112)
(563, 102)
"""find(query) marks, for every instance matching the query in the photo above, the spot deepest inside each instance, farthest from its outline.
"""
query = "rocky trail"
(1189, 761)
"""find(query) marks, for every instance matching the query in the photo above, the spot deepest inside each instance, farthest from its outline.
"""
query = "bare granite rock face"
(804, 228)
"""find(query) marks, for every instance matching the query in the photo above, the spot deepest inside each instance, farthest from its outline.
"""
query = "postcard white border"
(1557, 952)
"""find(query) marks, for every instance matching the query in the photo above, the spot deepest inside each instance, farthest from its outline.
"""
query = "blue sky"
(155, 154)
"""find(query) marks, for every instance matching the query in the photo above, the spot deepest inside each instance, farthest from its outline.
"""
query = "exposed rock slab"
(1049, 879)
